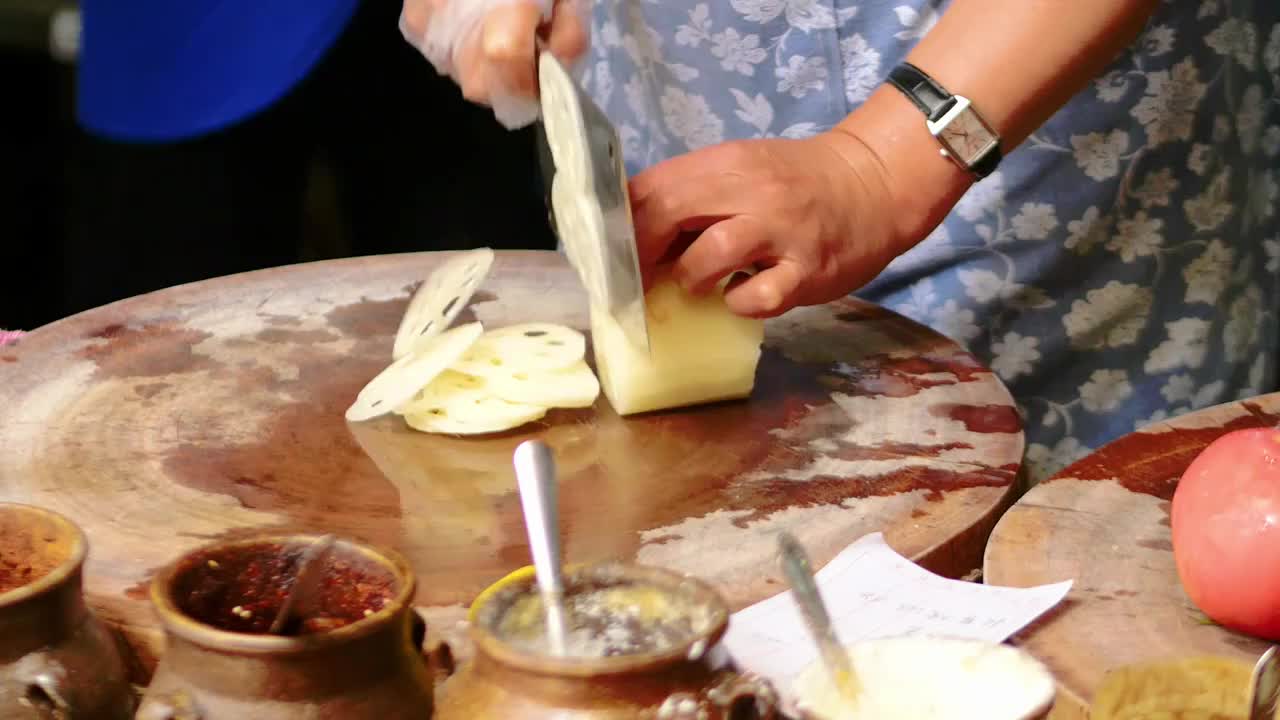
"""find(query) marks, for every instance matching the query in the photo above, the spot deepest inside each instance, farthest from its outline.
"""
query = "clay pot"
(57, 660)
(684, 679)
(1197, 687)
(356, 656)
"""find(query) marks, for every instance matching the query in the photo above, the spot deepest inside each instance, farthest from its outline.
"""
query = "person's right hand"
(489, 47)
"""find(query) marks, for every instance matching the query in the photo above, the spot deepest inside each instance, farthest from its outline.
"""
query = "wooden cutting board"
(1104, 522)
(215, 410)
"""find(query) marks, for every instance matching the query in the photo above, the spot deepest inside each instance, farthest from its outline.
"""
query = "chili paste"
(240, 589)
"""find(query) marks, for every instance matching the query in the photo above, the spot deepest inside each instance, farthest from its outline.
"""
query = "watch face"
(966, 137)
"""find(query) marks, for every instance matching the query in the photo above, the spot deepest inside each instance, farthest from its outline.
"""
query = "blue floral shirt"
(1119, 268)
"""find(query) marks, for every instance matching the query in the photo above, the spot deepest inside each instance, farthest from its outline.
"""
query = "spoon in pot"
(536, 478)
(306, 578)
(795, 565)
(1264, 690)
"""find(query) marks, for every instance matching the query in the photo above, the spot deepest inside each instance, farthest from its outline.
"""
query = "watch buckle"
(960, 105)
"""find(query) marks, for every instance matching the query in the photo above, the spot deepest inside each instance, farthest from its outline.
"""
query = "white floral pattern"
(740, 53)
(1137, 237)
(1186, 346)
(1098, 154)
(1105, 390)
(1111, 316)
(1090, 230)
(1208, 275)
(1034, 221)
(1236, 38)
(1120, 268)
(802, 75)
(861, 68)
(1169, 106)
(1014, 355)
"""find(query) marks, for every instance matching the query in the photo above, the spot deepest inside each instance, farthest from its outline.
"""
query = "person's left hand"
(813, 217)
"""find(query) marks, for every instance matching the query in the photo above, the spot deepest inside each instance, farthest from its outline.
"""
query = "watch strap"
(987, 163)
(932, 99)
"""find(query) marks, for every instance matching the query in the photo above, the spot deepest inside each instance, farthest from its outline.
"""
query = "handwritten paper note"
(873, 592)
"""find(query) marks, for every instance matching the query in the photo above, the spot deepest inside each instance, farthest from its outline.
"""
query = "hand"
(489, 47)
(814, 217)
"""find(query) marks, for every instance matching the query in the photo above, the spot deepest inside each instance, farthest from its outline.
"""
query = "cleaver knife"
(591, 207)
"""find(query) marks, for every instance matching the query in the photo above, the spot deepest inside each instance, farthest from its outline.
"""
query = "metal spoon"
(795, 565)
(1264, 689)
(536, 478)
(306, 577)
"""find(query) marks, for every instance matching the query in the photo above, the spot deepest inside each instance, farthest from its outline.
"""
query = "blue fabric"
(157, 70)
(1121, 267)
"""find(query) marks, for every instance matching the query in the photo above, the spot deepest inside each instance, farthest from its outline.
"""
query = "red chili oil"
(240, 589)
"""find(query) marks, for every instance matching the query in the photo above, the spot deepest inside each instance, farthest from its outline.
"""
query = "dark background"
(68, 200)
(35, 122)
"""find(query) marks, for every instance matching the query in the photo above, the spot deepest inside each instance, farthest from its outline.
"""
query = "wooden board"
(216, 409)
(1104, 522)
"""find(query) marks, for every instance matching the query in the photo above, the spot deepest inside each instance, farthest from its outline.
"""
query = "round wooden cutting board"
(1104, 523)
(216, 409)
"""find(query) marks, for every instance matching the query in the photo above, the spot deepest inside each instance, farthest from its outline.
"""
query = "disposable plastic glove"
(490, 48)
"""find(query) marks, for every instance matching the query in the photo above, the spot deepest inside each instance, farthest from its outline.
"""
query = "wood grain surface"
(1104, 522)
(215, 410)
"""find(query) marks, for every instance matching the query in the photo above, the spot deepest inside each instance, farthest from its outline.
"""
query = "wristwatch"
(967, 139)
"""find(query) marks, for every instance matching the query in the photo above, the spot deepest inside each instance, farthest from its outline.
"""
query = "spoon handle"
(308, 572)
(795, 565)
(536, 479)
(1264, 691)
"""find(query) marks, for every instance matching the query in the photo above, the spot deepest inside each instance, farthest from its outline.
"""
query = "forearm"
(1019, 61)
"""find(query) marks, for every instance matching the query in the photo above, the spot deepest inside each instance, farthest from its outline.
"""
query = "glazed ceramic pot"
(643, 643)
(356, 655)
(57, 660)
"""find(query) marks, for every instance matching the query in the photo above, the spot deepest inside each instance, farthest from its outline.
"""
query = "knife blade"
(546, 172)
(611, 266)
